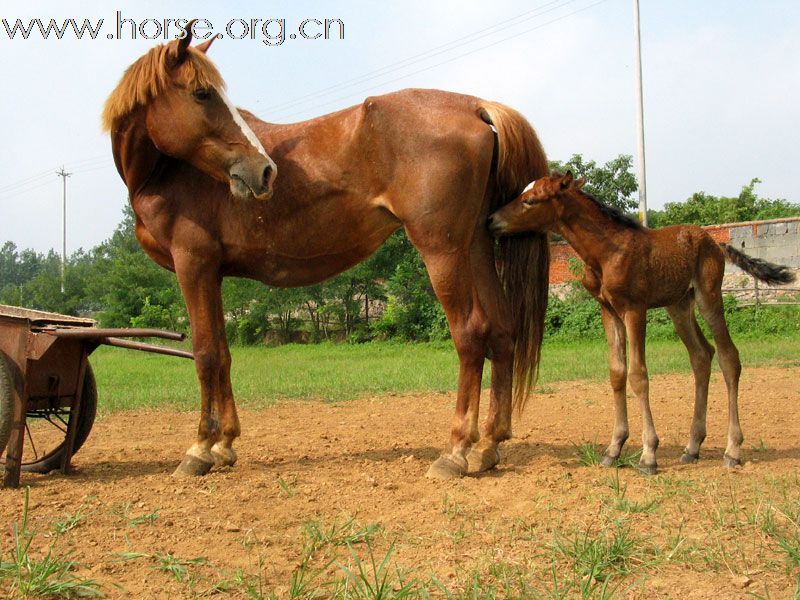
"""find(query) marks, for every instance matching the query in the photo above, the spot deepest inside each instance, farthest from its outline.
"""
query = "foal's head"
(537, 208)
(182, 99)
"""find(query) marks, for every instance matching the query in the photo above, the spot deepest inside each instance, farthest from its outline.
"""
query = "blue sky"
(722, 82)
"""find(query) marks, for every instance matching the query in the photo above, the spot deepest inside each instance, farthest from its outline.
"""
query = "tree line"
(387, 296)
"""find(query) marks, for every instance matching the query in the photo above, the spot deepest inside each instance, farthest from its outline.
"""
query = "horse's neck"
(135, 155)
(591, 234)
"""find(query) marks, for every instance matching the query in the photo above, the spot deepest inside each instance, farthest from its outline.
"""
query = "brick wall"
(777, 241)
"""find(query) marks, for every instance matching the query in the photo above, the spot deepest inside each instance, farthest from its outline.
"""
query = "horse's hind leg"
(618, 376)
(485, 454)
(700, 355)
(452, 282)
(709, 300)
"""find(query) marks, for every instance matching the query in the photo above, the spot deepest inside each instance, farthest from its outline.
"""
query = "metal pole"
(63, 174)
(639, 116)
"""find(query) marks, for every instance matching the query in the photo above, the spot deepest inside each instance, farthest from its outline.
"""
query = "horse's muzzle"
(253, 178)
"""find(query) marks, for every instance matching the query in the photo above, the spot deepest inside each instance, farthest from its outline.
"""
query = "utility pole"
(63, 174)
(639, 116)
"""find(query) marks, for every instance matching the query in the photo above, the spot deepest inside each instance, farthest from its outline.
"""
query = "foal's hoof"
(223, 456)
(193, 466)
(483, 459)
(608, 461)
(730, 462)
(447, 467)
(689, 459)
(648, 469)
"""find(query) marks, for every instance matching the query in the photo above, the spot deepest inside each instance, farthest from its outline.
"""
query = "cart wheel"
(6, 404)
(46, 435)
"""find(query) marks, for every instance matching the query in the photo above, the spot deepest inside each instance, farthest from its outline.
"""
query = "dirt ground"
(698, 531)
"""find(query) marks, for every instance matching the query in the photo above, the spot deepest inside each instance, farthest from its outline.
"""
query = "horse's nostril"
(267, 173)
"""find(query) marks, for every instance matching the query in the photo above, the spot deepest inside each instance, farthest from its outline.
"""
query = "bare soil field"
(313, 477)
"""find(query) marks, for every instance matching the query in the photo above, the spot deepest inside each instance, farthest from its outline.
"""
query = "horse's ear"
(579, 183)
(203, 47)
(566, 180)
(178, 50)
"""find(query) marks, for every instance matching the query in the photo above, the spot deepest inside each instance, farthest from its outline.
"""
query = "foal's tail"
(524, 260)
(760, 269)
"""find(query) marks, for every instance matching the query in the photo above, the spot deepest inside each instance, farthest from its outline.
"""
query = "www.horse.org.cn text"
(269, 31)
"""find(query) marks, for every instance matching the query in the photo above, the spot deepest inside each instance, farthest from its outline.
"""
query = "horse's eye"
(201, 94)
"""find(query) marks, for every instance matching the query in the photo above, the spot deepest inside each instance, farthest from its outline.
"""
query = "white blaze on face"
(248, 133)
(529, 186)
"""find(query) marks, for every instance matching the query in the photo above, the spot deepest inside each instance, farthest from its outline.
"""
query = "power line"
(439, 64)
(430, 53)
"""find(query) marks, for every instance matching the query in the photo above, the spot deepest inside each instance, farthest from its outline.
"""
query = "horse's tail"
(524, 260)
(760, 269)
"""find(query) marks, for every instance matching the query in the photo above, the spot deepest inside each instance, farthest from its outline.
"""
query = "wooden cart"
(46, 378)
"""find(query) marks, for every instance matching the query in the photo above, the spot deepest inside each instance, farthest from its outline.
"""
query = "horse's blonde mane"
(149, 75)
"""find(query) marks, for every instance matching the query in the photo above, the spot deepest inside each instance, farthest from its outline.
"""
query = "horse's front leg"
(635, 325)
(201, 287)
(618, 376)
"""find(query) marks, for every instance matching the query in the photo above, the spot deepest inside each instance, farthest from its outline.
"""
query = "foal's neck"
(591, 233)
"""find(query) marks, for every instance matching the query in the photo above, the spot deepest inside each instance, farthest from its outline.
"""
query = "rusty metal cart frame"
(45, 372)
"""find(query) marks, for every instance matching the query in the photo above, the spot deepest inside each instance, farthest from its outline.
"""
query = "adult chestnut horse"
(629, 269)
(432, 162)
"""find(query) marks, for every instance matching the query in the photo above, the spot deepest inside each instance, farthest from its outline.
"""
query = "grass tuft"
(49, 576)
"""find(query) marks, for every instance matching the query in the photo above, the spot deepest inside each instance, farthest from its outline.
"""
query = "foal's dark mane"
(613, 213)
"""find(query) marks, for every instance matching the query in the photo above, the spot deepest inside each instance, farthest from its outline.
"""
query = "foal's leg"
(201, 288)
(618, 374)
(635, 324)
(451, 278)
(485, 455)
(700, 355)
(709, 299)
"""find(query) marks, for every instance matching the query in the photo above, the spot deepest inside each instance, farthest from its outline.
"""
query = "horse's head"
(537, 208)
(188, 116)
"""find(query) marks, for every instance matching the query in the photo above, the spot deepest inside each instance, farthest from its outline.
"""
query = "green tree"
(614, 183)
(131, 287)
(704, 209)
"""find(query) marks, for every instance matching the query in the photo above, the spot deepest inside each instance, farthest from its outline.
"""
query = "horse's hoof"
(608, 461)
(193, 466)
(483, 459)
(447, 467)
(648, 469)
(223, 456)
(689, 459)
(729, 462)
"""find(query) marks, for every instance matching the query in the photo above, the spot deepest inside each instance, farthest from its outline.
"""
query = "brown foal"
(431, 162)
(630, 269)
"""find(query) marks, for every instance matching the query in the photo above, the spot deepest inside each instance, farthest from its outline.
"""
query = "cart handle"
(94, 333)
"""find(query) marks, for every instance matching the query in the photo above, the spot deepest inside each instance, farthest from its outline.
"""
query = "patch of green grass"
(67, 523)
(590, 455)
(48, 576)
(599, 557)
(346, 533)
(375, 578)
(134, 380)
(123, 513)
(451, 507)
(622, 503)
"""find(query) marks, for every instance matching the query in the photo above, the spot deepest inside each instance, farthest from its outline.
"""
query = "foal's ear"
(178, 50)
(206, 45)
(579, 183)
(566, 180)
